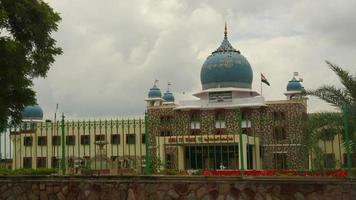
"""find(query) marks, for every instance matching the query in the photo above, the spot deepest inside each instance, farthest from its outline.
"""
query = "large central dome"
(226, 67)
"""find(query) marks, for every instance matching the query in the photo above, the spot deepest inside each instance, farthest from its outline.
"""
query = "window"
(130, 139)
(220, 97)
(279, 115)
(195, 120)
(84, 139)
(99, 137)
(115, 139)
(166, 120)
(220, 116)
(220, 120)
(219, 131)
(329, 160)
(27, 162)
(41, 162)
(195, 132)
(55, 162)
(56, 140)
(42, 140)
(195, 116)
(280, 160)
(27, 141)
(353, 159)
(165, 133)
(70, 140)
(280, 134)
(247, 131)
(245, 115)
(143, 138)
(327, 135)
(282, 115)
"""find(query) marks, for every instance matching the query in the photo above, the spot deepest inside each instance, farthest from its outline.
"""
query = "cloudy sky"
(115, 49)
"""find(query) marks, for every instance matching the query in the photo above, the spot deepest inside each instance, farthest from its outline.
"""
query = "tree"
(315, 130)
(342, 98)
(27, 51)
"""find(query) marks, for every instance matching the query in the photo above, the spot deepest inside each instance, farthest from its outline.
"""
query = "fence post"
(347, 140)
(147, 169)
(63, 162)
(241, 151)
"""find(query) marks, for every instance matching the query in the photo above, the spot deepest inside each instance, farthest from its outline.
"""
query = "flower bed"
(334, 173)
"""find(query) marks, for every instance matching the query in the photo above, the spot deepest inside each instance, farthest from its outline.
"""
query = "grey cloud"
(114, 50)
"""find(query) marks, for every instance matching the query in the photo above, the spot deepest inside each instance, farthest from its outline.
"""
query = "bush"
(32, 172)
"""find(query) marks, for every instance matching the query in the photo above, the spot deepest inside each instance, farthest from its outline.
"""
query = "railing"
(253, 145)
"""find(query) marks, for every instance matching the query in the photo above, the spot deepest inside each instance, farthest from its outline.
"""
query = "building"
(205, 133)
(228, 126)
(108, 146)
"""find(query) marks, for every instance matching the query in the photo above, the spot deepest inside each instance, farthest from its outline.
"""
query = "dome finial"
(168, 86)
(155, 82)
(225, 33)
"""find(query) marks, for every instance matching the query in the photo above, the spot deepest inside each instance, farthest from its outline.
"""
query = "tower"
(294, 88)
(154, 98)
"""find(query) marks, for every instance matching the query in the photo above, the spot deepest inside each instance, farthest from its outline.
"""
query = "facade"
(228, 126)
(108, 147)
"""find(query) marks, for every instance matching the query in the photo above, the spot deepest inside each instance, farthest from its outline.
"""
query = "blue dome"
(168, 96)
(33, 112)
(154, 92)
(226, 67)
(294, 85)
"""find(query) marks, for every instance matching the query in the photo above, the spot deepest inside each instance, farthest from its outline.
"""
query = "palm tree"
(342, 98)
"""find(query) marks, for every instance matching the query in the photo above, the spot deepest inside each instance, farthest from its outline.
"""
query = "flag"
(296, 74)
(156, 81)
(264, 80)
(169, 83)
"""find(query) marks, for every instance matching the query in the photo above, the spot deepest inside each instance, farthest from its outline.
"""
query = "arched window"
(220, 122)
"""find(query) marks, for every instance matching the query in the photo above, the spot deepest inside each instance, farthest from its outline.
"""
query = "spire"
(225, 33)
(168, 86)
(225, 45)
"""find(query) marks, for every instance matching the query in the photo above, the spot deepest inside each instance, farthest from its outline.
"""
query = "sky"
(115, 49)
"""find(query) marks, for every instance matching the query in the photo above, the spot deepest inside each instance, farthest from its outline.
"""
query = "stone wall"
(189, 188)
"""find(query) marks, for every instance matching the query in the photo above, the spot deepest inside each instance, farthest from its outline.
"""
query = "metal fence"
(251, 145)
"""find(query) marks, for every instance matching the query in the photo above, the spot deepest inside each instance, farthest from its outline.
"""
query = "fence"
(230, 144)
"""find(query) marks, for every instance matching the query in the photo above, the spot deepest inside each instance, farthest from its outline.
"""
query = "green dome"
(226, 67)
(294, 85)
(154, 92)
(168, 96)
(33, 112)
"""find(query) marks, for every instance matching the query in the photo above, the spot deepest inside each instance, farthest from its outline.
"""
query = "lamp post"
(63, 162)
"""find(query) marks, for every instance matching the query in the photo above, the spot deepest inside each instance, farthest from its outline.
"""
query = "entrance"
(212, 157)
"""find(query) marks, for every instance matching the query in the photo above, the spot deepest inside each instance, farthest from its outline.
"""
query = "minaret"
(168, 96)
(294, 88)
(154, 98)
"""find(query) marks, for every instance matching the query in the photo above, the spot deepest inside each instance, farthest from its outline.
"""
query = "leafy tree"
(342, 98)
(315, 130)
(27, 51)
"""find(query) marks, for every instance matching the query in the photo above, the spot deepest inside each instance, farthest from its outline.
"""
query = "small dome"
(294, 85)
(168, 96)
(226, 67)
(33, 112)
(154, 92)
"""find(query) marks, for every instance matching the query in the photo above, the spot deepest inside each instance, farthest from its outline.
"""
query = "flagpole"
(261, 87)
